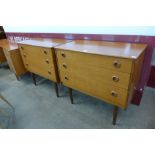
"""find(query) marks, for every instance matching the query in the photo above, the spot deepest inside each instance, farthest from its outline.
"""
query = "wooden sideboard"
(106, 70)
(39, 58)
(13, 57)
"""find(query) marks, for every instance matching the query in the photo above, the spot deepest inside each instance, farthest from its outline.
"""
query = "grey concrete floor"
(37, 107)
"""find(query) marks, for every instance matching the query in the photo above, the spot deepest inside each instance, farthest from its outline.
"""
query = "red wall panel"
(150, 40)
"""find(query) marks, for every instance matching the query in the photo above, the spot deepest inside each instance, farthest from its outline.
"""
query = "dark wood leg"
(56, 89)
(17, 77)
(115, 111)
(34, 78)
(1, 65)
(71, 94)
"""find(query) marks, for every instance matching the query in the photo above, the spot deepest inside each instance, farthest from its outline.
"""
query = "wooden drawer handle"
(113, 93)
(66, 78)
(63, 54)
(49, 72)
(24, 55)
(27, 64)
(64, 65)
(117, 64)
(47, 61)
(45, 52)
(115, 78)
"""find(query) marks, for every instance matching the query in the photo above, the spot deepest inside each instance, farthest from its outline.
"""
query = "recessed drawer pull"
(27, 64)
(117, 64)
(49, 72)
(115, 78)
(113, 93)
(47, 61)
(66, 78)
(63, 54)
(24, 55)
(45, 52)
(64, 65)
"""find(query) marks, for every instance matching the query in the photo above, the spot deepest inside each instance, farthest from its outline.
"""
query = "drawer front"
(9, 61)
(24, 57)
(96, 80)
(37, 55)
(93, 74)
(96, 61)
(48, 73)
(39, 60)
(106, 92)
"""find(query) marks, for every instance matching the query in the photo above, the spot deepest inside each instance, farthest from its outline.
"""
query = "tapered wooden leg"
(56, 89)
(115, 111)
(71, 94)
(34, 78)
(17, 77)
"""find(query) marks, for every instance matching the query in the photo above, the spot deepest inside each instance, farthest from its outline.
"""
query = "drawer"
(48, 73)
(24, 60)
(39, 60)
(42, 64)
(93, 74)
(38, 55)
(104, 91)
(34, 51)
(96, 61)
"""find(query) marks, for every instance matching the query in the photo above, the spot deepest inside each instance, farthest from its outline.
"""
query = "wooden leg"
(56, 89)
(1, 65)
(71, 94)
(17, 77)
(115, 111)
(34, 78)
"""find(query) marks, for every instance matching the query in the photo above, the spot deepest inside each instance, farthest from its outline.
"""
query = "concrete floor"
(37, 107)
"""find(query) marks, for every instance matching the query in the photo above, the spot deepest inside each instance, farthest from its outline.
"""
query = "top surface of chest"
(116, 49)
(44, 42)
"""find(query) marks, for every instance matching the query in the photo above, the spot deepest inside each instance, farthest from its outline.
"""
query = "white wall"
(135, 30)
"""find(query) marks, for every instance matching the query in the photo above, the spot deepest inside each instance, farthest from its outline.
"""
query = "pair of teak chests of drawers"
(109, 71)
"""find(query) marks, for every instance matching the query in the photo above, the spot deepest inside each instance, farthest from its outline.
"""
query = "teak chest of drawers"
(13, 57)
(39, 58)
(106, 70)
